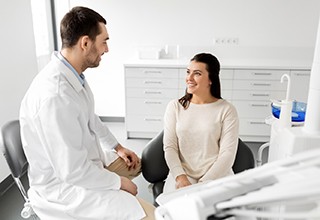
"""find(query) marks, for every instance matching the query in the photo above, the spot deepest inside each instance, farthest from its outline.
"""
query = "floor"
(11, 202)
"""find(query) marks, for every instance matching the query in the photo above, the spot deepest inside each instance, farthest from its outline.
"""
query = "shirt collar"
(80, 77)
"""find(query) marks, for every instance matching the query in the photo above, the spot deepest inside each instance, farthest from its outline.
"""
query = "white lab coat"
(67, 147)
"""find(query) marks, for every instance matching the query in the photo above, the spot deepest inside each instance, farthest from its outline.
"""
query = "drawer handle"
(152, 119)
(256, 123)
(152, 102)
(152, 71)
(152, 92)
(152, 82)
(260, 95)
(262, 74)
(261, 84)
(302, 74)
(259, 105)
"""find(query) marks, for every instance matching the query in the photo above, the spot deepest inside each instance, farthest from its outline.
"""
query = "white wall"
(266, 29)
(18, 63)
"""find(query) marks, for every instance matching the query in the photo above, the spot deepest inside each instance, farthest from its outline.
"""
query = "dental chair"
(155, 169)
(11, 147)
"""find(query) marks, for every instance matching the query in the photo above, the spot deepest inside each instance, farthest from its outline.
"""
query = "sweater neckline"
(206, 104)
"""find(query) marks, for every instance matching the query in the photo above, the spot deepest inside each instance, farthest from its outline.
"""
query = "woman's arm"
(228, 146)
(170, 140)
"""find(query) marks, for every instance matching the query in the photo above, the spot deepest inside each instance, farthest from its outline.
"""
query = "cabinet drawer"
(182, 84)
(152, 73)
(140, 106)
(300, 81)
(226, 84)
(152, 83)
(182, 74)
(226, 94)
(260, 74)
(253, 109)
(252, 127)
(259, 85)
(226, 74)
(258, 95)
(149, 93)
(182, 92)
(144, 123)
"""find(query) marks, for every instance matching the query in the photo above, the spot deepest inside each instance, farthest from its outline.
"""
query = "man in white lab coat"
(71, 154)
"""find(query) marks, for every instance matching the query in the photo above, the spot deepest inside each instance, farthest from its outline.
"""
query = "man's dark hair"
(79, 21)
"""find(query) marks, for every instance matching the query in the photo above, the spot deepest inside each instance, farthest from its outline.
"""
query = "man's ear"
(84, 42)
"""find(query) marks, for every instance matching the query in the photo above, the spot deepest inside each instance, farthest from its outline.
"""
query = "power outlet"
(226, 41)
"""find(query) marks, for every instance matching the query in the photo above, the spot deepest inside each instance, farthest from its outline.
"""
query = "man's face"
(98, 48)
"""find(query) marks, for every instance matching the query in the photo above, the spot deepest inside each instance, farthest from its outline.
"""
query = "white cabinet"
(148, 91)
(251, 94)
(150, 88)
(226, 81)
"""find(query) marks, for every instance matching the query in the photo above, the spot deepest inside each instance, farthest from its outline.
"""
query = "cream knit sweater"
(202, 140)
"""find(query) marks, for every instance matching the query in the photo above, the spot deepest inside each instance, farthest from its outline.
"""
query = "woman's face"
(198, 82)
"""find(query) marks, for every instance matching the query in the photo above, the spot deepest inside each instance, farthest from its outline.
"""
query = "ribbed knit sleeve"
(170, 139)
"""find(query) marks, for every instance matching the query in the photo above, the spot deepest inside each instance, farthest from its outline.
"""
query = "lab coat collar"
(72, 79)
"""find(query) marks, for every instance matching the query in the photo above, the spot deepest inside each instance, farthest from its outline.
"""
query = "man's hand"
(130, 158)
(182, 181)
(128, 186)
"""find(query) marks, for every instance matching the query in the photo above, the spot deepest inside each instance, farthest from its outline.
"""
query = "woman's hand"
(182, 181)
(130, 158)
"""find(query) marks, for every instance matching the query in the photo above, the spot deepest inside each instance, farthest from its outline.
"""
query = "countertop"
(225, 64)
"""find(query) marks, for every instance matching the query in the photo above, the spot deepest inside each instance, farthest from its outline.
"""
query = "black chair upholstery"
(12, 150)
(154, 166)
(244, 158)
(155, 169)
